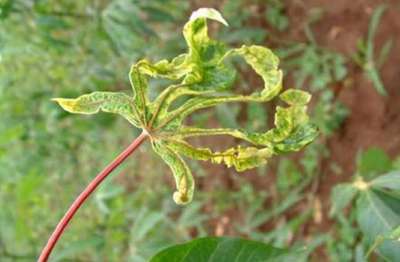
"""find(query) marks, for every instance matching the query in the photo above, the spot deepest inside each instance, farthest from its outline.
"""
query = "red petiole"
(58, 231)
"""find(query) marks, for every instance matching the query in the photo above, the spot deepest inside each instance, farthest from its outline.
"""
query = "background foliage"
(66, 48)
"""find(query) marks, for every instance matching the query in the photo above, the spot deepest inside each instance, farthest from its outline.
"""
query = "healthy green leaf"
(378, 214)
(342, 195)
(388, 181)
(372, 162)
(203, 78)
(366, 57)
(212, 249)
(394, 235)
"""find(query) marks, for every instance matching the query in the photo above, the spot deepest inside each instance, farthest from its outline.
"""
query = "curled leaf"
(203, 77)
(295, 97)
(265, 63)
(139, 86)
(118, 103)
(183, 176)
(208, 13)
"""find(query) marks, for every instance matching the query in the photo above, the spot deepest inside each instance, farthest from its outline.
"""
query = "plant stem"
(58, 231)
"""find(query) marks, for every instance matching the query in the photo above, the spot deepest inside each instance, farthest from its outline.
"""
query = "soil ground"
(374, 120)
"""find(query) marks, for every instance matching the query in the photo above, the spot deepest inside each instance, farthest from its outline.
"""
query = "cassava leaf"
(212, 249)
(118, 103)
(295, 97)
(265, 63)
(388, 181)
(372, 162)
(378, 214)
(202, 78)
(341, 196)
(195, 30)
(242, 158)
(208, 13)
(183, 176)
(139, 85)
(173, 70)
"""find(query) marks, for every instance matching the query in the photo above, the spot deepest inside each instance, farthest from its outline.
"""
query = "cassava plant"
(372, 198)
(203, 76)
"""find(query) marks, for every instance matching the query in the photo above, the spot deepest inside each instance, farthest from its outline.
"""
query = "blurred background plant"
(66, 48)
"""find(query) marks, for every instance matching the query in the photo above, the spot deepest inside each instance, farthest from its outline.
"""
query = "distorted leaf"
(183, 176)
(118, 103)
(204, 76)
(295, 97)
(208, 13)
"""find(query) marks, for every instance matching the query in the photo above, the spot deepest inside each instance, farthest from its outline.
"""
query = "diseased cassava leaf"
(204, 76)
(183, 176)
(117, 103)
(295, 97)
(208, 13)
(139, 85)
(213, 249)
(265, 63)
(239, 157)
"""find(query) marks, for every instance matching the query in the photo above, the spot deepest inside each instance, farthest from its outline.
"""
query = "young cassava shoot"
(204, 75)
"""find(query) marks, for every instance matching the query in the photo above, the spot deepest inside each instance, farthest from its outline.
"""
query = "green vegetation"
(365, 57)
(376, 198)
